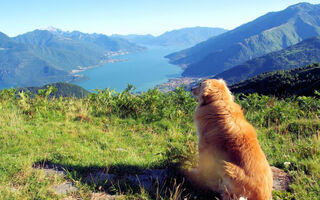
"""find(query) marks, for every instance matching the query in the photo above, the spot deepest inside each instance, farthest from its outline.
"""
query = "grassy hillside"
(283, 83)
(58, 90)
(124, 133)
(303, 53)
(271, 32)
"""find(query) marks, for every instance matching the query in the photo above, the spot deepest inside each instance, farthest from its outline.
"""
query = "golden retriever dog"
(231, 161)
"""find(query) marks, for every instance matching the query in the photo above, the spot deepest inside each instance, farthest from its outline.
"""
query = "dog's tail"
(244, 185)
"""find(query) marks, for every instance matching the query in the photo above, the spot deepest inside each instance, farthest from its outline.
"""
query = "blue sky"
(131, 16)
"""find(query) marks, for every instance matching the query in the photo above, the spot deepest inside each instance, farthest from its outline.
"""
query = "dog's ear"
(228, 92)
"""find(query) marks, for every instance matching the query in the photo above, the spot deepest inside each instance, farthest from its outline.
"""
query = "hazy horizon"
(127, 17)
(51, 28)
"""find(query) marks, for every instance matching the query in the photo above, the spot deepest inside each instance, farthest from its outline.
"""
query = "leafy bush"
(148, 106)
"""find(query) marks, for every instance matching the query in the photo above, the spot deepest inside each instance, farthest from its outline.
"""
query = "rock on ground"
(147, 179)
(64, 188)
(281, 179)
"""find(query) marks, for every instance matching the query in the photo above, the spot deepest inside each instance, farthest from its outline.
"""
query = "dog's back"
(228, 147)
(247, 171)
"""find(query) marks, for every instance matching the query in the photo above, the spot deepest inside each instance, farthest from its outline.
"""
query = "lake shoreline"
(108, 59)
(173, 83)
(143, 69)
(102, 63)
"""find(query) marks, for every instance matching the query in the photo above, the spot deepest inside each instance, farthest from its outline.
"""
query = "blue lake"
(144, 70)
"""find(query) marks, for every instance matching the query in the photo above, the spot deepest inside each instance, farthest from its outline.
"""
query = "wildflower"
(286, 164)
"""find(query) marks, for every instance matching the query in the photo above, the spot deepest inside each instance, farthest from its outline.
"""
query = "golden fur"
(231, 161)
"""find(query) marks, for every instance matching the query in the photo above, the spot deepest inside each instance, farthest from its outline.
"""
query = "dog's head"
(211, 90)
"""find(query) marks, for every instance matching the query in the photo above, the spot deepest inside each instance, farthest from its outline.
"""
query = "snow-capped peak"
(51, 29)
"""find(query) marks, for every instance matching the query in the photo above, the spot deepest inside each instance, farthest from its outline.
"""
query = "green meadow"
(126, 133)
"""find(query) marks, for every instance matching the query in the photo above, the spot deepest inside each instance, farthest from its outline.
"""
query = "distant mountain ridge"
(50, 55)
(67, 50)
(63, 53)
(271, 32)
(44, 56)
(180, 37)
(105, 42)
(298, 55)
(20, 66)
(137, 39)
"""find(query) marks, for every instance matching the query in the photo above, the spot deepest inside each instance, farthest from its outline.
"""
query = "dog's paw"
(232, 170)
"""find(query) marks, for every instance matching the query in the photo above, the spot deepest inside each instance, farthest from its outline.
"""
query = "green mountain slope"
(283, 83)
(100, 40)
(271, 32)
(63, 90)
(180, 37)
(6, 42)
(20, 67)
(44, 56)
(303, 53)
(187, 36)
(63, 52)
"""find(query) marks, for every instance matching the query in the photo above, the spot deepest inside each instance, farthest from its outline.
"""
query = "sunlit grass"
(126, 133)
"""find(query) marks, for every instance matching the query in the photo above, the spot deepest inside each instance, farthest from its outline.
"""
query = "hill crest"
(271, 32)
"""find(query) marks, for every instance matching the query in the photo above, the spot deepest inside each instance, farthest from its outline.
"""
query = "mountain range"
(106, 43)
(68, 50)
(19, 65)
(271, 32)
(50, 55)
(180, 37)
(278, 40)
(45, 56)
(301, 54)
